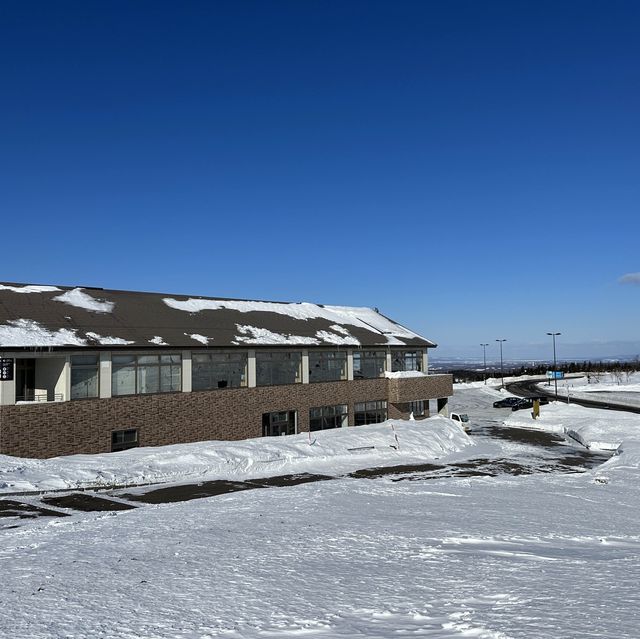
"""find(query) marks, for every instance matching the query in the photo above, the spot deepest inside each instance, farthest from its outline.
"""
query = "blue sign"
(555, 375)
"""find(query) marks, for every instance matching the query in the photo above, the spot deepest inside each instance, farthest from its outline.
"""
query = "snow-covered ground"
(609, 388)
(530, 556)
(331, 452)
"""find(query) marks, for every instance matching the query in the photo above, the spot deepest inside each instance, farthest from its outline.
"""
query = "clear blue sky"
(470, 168)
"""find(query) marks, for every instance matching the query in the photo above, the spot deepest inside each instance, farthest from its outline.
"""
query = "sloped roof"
(59, 316)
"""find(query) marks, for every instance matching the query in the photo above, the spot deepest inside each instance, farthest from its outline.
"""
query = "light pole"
(484, 358)
(555, 379)
(501, 367)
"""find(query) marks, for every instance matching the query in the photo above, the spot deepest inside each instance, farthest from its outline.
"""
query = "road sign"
(6, 369)
(555, 375)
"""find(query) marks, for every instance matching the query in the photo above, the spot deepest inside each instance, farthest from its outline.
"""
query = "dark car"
(507, 402)
(527, 402)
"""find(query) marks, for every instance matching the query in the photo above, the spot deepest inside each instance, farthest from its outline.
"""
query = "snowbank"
(594, 428)
(391, 443)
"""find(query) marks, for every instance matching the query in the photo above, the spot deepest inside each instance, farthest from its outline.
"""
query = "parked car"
(527, 402)
(507, 402)
(462, 419)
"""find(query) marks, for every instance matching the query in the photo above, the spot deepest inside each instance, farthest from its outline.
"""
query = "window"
(278, 368)
(142, 374)
(417, 408)
(327, 366)
(280, 423)
(369, 412)
(84, 376)
(218, 370)
(325, 417)
(124, 439)
(406, 361)
(368, 364)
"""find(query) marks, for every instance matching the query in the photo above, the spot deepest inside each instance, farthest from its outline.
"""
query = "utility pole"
(555, 372)
(501, 366)
(484, 358)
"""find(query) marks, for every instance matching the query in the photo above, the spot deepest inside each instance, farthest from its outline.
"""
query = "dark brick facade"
(85, 426)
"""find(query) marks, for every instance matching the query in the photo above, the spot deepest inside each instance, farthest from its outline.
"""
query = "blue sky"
(470, 168)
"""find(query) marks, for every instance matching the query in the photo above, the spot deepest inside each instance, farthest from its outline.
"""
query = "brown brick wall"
(84, 426)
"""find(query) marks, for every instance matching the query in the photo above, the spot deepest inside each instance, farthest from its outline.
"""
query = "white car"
(462, 419)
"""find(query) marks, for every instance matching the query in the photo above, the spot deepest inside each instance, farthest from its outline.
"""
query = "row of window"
(284, 422)
(141, 374)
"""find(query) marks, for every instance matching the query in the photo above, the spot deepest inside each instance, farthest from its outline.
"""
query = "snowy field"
(544, 555)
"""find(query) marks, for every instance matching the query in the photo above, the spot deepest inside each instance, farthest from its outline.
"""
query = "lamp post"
(501, 367)
(555, 379)
(484, 359)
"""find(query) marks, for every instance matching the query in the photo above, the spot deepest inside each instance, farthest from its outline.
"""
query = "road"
(529, 388)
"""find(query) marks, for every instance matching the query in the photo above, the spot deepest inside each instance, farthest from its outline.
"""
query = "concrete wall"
(51, 378)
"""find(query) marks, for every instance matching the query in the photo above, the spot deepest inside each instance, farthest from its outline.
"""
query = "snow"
(108, 341)
(159, 341)
(403, 374)
(199, 338)
(26, 332)
(256, 335)
(504, 557)
(77, 297)
(31, 288)
(361, 317)
(593, 427)
(332, 451)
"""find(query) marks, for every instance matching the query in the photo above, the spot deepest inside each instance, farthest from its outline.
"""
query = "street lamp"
(555, 379)
(501, 367)
(484, 358)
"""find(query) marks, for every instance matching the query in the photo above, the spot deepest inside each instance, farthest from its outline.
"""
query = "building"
(86, 370)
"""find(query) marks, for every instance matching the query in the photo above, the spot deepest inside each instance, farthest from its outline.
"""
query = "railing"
(40, 397)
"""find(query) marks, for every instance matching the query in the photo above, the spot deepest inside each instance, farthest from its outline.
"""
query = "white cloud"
(630, 278)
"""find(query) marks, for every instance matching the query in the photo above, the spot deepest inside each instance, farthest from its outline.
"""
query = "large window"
(325, 417)
(368, 364)
(219, 370)
(84, 376)
(369, 412)
(278, 368)
(406, 361)
(141, 374)
(327, 366)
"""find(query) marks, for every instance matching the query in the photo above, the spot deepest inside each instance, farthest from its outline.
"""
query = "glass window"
(327, 366)
(406, 361)
(142, 374)
(369, 412)
(278, 368)
(417, 408)
(325, 417)
(369, 364)
(124, 439)
(218, 370)
(84, 376)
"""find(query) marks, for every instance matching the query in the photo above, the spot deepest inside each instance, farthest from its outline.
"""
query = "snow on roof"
(28, 288)
(22, 331)
(65, 316)
(362, 317)
(77, 297)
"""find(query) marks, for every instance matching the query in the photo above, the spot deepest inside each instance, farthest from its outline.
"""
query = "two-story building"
(86, 370)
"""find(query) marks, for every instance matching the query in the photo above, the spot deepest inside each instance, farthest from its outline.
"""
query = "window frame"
(244, 375)
(84, 367)
(138, 367)
(328, 356)
(271, 353)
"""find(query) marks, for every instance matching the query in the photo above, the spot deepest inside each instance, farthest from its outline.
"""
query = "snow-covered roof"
(59, 316)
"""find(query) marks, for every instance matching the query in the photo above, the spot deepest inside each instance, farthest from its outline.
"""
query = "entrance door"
(281, 423)
(25, 380)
